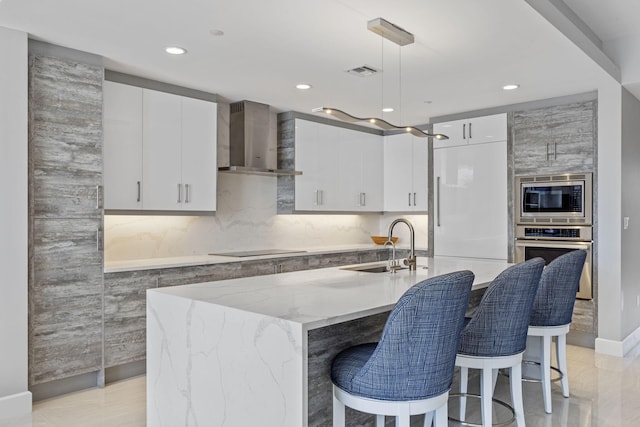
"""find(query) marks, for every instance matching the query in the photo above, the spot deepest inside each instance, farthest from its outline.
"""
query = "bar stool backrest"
(415, 357)
(499, 325)
(556, 296)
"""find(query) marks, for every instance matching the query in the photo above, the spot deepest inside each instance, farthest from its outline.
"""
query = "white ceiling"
(465, 50)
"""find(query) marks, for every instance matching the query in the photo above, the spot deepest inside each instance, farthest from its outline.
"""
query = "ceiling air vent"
(363, 71)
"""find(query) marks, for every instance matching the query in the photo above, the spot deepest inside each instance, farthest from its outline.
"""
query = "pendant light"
(400, 37)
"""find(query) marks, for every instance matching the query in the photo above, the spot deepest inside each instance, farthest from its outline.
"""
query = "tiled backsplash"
(246, 219)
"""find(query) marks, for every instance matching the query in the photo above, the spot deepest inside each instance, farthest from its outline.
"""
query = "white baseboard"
(15, 406)
(618, 348)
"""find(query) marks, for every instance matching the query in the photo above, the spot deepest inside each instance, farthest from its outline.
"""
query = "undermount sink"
(367, 268)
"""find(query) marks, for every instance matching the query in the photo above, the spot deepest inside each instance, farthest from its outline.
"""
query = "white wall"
(630, 209)
(609, 216)
(15, 400)
(246, 219)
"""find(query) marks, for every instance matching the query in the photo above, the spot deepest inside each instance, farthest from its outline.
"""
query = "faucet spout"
(411, 259)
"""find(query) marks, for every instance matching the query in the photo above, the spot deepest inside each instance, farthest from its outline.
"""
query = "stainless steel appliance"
(553, 217)
(554, 199)
(551, 242)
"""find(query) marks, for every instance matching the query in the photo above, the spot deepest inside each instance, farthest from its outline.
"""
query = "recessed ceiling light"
(510, 87)
(303, 86)
(216, 32)
(387, 110)
(175, 50)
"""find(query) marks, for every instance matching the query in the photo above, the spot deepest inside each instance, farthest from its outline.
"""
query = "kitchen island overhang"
(256, 351)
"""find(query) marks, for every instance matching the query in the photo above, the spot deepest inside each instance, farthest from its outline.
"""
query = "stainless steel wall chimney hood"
(251, 151)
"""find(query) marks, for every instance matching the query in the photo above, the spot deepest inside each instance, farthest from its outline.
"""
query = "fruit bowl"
(379, 240)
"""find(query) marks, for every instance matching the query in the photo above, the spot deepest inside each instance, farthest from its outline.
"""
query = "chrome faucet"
(393, 264)
(411, 259)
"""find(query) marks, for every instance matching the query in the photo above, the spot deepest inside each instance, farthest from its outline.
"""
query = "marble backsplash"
(246, 219)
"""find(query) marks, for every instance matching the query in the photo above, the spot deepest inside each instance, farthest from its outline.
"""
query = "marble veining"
(217, 351)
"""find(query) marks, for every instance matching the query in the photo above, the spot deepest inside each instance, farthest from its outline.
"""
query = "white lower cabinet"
(405, 173)
(470, 200)
(341, 169)
(160, 150)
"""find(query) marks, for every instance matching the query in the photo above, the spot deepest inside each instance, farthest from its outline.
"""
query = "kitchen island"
(257, 350)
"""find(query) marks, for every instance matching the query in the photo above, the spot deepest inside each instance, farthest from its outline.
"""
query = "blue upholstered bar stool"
(410, 370)
(495, 337)
(551, 317)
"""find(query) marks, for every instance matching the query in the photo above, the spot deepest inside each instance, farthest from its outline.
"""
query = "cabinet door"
(317, 157)
(557, 139)
(471, 201)
(161, 135)
(420, 174)
(372, 173)
(488, 129)
(398, 174)
(361, 173)
(122, 146)
(199, 165)
(350, 163)
(456, 130)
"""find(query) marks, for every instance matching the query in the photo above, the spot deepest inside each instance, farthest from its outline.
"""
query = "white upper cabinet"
(341, 169)
(405, 173)
(161, 136)
(160, 150)
(199, 154)
(316, 150)
(472, 131)
(122, 146)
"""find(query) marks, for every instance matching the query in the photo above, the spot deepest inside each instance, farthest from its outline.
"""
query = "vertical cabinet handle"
(547, 151)
(555, 153)
(319, 197)
(179, 193)
(438, 201)
(99, 240)
(414, 199)
(98, 196)
(409, 200)
(464, 131)
(138, 198)
(363, 199)
(470, 131)
(187, 193)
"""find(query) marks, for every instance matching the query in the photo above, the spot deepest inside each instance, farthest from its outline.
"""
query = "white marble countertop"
(186, 261)
(316, 298)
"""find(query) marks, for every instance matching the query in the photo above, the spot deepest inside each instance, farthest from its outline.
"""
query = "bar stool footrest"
(497, 401)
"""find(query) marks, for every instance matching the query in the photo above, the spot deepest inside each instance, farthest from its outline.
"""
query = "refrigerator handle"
(438, 201)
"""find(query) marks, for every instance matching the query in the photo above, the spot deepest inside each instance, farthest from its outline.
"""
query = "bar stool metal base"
(537, 380)
(494, 400)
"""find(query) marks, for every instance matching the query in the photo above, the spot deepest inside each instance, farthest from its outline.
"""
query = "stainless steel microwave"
(554, 199)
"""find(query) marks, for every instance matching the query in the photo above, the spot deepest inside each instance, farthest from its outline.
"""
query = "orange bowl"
(379, 240)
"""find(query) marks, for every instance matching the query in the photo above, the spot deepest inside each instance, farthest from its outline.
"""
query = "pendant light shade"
(382, 124)
(401, 37)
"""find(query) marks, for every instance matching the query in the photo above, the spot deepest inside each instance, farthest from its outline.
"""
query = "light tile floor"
(605, 391)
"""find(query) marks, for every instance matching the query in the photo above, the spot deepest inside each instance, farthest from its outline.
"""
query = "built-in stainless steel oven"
(549, 242)
(554, 199)
(553, 216)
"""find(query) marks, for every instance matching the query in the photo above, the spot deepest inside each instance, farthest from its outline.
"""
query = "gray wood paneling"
(568, 129)
(125, 293)
(65, 261)
(65, 137)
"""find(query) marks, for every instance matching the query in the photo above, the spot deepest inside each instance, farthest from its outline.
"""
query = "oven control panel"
(579, 233)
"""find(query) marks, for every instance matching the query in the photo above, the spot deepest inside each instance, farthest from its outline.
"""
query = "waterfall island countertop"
(244, 351)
